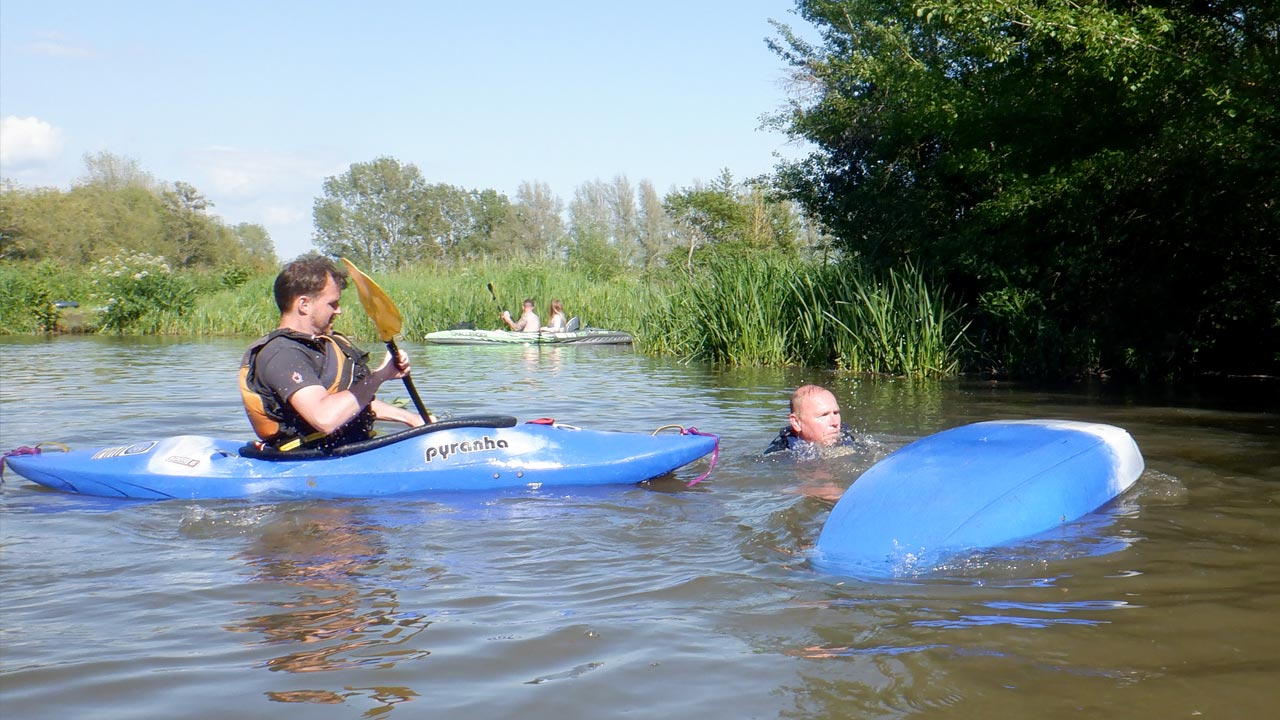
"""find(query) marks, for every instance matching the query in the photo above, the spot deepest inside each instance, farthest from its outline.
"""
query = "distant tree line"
(1098, 181)
(117, 207)
(384, 215)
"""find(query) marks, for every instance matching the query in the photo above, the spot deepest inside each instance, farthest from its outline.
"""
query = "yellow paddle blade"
(377, 304)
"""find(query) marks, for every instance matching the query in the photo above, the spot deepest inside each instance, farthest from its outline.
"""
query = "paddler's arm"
(387, 411)
(326, 411)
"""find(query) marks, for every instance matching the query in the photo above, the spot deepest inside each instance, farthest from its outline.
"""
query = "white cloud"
(274, 189)
(28, 142)
(55, 45)
(234, 172)
(281, 215)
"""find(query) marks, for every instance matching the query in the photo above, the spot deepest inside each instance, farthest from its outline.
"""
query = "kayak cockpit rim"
(252, 450)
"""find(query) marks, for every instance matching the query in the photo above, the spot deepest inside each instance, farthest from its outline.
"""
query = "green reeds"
(776, 310)
(768, 310)
(894, 326)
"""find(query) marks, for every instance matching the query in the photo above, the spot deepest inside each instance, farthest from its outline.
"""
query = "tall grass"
(769, 310)
(429, 300)
(775, 310)
(732, 311)
(896, 326)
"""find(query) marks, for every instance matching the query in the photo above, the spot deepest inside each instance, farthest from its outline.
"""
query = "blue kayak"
(972, 487)
(470, 453)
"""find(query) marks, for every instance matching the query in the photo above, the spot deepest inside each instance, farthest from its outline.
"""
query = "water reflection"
(337, 614)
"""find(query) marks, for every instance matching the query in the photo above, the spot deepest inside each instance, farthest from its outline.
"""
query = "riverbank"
(772, 311)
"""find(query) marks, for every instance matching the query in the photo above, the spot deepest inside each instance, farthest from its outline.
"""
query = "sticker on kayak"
(112, 452)
(467, 446)
(179, 460)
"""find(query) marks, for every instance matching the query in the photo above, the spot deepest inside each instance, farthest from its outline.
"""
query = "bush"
(27, 297)
(135, 289)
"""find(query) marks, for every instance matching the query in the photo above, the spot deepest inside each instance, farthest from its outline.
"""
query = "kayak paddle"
(382, 311)
(494, 295)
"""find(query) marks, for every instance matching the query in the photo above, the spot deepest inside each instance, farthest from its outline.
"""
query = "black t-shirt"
(288, 361)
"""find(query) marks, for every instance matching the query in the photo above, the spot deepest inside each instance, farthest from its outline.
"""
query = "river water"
(651, 602)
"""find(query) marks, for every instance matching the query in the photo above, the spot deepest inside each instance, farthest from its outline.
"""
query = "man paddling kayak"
(303, 384)
(528, 321)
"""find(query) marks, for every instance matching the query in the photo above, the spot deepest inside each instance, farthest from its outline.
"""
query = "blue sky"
(255, 103)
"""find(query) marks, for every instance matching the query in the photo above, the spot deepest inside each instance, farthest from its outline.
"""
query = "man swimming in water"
(814, 421)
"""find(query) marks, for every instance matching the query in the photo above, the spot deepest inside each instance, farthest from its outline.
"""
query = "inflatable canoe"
(471, 453)
(585, 336)
(971, 487)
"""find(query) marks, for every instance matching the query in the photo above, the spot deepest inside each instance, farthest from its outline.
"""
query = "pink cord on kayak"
(27, 450)
(715, 453)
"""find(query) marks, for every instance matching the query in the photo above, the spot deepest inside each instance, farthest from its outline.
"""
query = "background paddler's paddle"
(494, 295)
(377, 304)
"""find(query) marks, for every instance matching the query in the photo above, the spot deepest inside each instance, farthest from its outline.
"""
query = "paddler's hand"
(393, 371)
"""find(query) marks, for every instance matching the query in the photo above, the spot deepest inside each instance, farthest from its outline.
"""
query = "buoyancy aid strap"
(263, 425)
(340, 360)
(298, 442)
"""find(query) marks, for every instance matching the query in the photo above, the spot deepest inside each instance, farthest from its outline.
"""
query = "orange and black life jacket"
(275, 421)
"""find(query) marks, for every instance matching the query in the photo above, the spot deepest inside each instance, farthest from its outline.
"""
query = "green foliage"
(28, 294)
(756, 309)
(737, 311)
(1014, 330)
(595, 257)
(777, 310)
(118, 208)
(1085, 175)
(897, 326)
(725, 218)
(135, 289)
(382, 215)
(233, 277)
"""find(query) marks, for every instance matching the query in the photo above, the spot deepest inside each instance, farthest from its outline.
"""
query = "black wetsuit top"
(788, 440)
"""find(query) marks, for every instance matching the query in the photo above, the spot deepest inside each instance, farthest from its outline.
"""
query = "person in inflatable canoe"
(814, 422)
(528, 321)
(303, 384)
(556, 313)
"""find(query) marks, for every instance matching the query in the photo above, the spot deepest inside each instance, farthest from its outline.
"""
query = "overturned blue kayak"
(469, 453)
(973, 487)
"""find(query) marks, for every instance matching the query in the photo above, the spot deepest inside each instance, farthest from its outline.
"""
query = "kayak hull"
(453, 459)
(588, 336)
(972, 487)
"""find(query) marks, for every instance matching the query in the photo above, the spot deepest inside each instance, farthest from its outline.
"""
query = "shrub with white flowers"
(134, 287)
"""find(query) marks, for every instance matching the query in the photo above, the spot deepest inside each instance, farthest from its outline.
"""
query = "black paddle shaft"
(494, 295)
(408, 383)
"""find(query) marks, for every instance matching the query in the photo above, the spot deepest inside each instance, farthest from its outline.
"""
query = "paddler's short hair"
(805, 391)
(306, 276)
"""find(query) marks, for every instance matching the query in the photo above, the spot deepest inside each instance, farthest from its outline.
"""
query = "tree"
(732, 218)
(657, 232)
(257, 250)
(114, 172)
(115, 207)
(375, 214)
(192, 234)
(591, 247)
(1111, 164)
(625, 220)
(536, 225)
